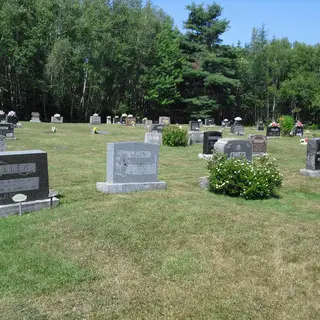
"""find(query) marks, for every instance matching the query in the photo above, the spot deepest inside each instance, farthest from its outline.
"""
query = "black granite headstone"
(273, 131)
(298, 131)
(23, 172)
(313, 154)
(156, 128)
(209, 139)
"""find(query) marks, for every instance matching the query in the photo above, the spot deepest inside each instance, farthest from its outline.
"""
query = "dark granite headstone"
(313, 154)
(7, 128)
(209, 140)
(260, 126)
(234, 148)
(273, 131)
(23, 172)
(12, 119)
(2, 116)
(209, 121)
(298, 131)
(259, 143)
(194, 126)
(156, 127)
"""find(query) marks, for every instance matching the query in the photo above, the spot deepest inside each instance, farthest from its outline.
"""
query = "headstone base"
(35, 121)
(310, 173)
(107, 187)
(204, 156)
(28, 206)
(204, 182)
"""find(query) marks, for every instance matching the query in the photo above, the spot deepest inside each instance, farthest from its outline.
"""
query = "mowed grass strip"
(180, 253)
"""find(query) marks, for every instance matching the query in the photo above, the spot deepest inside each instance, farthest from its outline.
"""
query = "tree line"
(79, 57)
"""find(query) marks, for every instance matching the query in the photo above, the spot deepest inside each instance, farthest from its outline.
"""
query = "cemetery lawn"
(180, 253)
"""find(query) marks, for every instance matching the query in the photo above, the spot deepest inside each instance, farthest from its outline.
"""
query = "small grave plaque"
(209, 140)
(153, 137)
(164, 120)
(194, 126)
(208, 121)
(234, 148)
(23, 171)
(131, 166)
(259, 143)
(273, 131)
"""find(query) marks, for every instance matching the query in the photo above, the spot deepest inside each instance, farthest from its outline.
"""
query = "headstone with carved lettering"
(313, 159)
(35, 117)
(153, 137)
(234, 148)
(95, 119)
(210, 138)
(259, 143)
(273, 131)
(164, 120)
(131, 166)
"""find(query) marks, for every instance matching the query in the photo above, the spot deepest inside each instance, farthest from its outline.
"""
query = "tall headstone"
(3, 146)
(153, 137)
(164, 120)
(95, 119)
(209, 140)
(273, 131)
(259, 143)
(115, 119)
(194, 126)
(108, 120)
(131, 166)
(234, 148)
(313, 159)
(35, 117)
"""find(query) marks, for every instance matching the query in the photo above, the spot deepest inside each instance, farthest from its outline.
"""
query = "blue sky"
(299, 20)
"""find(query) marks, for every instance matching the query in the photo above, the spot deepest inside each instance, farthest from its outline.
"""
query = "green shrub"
(312, 127)
(286, 124)
(259, 179)
(174, 136)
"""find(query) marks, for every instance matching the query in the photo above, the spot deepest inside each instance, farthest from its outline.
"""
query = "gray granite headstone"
(95, 119)
(194, 126)
(35, 117)
(313, 159)
(156, 127)
(7, 130)
(131, 166)
(147, 123)
(23, 172)
(153, 137)
(237, 129)
(56, 119)
(259, 143)
(108, 120)
(234, 148)
(195, 137)
(164, 120)
(209, 121)
(3, 146)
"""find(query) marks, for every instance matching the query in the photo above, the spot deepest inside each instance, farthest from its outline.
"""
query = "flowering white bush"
(259, 179)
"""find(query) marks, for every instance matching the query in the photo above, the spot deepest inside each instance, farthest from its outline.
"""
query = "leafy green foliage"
(174, 136)
(286, 124)
(259, 179)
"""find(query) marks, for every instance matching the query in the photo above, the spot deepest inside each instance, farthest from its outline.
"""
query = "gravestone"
(260, 126)
(208, 121)
(273, 131)
(209, 140)
(298, 131)
(164, 120)
(12, 118)
(131, 121)
(7, 130)
(3, 146)
(234, 148)
(147, 123)
(115, 119)
(259, 143)
(237, 129)
(131, 166)
(195, 137)
(313, 159)
(156, 127)
(35, 117)
(153, 137)
(194, 126)
(57, 119)
(2, 116)
(95, 119)
(108, 121)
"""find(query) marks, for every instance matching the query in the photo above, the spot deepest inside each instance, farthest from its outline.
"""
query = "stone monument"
(35, 117)
(208, 121)
(194, 126)
(95, 119)
(57, 118)
(108, 120)
(195, 137)
(153, 137)
(234, 148)
(164, 120)
(259, 143)
(313, 159)
(131, 166)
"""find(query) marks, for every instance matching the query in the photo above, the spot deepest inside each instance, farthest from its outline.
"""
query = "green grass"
(180, 253)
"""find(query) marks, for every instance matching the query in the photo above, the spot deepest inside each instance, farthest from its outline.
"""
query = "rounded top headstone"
(95, 115)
